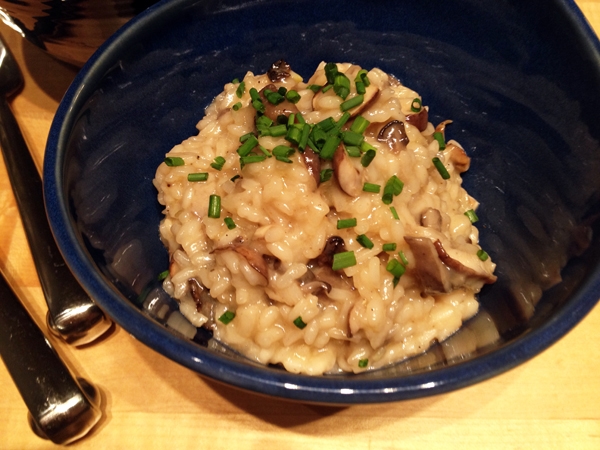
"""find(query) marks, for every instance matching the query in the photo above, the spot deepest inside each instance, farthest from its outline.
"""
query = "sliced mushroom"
(458, 157)
(279, 70)
(432, 218)
(312, 161)
(369, 97)
(333, 245)
(394, 135)
(433, 276)
(441, 128)
(468, 271)
(348, 177)
(205, 304)
(419, 120)
(285, 108)
(255, 259)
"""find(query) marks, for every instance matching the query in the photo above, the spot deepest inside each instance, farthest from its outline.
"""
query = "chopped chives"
(471, 215)
(439, 137)
(264, 151)
(353, 151)
(173, 161)
(240, 89)
(393, 187)
(394, 213)
(200, 176)
(284, 159)
(282, 90)
(482, 255)
(326, 88)
(363, 363)
(352, 138)
(365, 147)
(395, 268)
(360, 87)
(282, 150)
(276, 131)
(164, 274)
(293, 135)
(254, 94)
(314, 87)
(326, 124)
(303, 142)
(275, 98)
(251, 159)
(227, 317)
(340, 123)
(367, 157)
(403, 258)
(330, 146)
(299, 118)
(359, 125)
(214, 206)
(363, 240)
(371, 187)
(299, 322)
(237, 106)
(245, 137)
(229, 222)
(325, 175)
(362, 77)
(343, 259)
(291, 119)
(258, 105)
(331, 70)
(263, 122)
(235, 80)
(416, 105)
(439, 165)
(346, 223)
(352, 103)
(248, 145)
(389, 247)
(341, 85)
(218, 163)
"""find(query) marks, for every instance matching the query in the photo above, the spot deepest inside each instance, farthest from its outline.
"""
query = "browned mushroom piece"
(369, 97)
(457, 157)
(333, 245)
(419, 120)
(310, 284)
(279, 70)
(312, 161)
(347, 176)
(256, 261)
(205, 304)
(394, 135)
(459, 267)
(432, 218)
(441, 127)
(429, 270)
(285, 108)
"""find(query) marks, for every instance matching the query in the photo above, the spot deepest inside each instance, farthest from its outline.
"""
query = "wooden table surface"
(552, 401)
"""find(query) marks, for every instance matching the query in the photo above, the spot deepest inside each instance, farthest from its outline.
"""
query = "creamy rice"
(264, 260)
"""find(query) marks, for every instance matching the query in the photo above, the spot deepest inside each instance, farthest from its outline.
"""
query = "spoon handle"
(72, 315)
(61, 408)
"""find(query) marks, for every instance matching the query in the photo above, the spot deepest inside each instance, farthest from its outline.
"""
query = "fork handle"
(72, 315)
(59, 407)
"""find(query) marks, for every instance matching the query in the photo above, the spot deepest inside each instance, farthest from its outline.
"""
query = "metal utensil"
(61, 407)
(72, 315)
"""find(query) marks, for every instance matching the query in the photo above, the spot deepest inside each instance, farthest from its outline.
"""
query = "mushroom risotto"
(321, 225)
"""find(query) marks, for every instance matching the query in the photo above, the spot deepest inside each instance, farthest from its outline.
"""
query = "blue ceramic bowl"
(521, 80)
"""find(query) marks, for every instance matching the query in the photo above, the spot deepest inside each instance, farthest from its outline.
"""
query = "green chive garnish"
(343, 259)
(172, 161)
(299, 322)
(363, 240)
(314, 87)
(471, 215)
(352, 138)
(240, 89)
(251, 159)
(394, 213)
(341, 85)
(403, 258)
(439, 165)
(218, 163)
(346, 223)
(227, 317)
(482, 255)
(416, 105)
(248, 145)
(363, 363)
(371, 187)
(325, 175)
(352, 103)
(395, 268)
(294, 134)
(330, 146)
(359, 125)
(200, 176)
(164, 274)
(229, 222)
(292, 96)
(367, 157)
(392, 188)
(353, 151)
(389, 247)
(237, 106)
(214, 206)
(331, 71)
(439, 136)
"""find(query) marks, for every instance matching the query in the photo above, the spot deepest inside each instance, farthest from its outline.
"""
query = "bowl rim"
(322, 390)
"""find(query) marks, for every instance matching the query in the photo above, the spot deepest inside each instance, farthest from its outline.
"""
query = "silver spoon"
(72, 315)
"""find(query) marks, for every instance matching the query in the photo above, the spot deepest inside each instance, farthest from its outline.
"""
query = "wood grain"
(550, 402)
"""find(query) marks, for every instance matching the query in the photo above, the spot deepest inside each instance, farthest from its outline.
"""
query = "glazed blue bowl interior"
(520, 80)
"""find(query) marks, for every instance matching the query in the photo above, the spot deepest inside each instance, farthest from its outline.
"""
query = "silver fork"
(72, 315)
